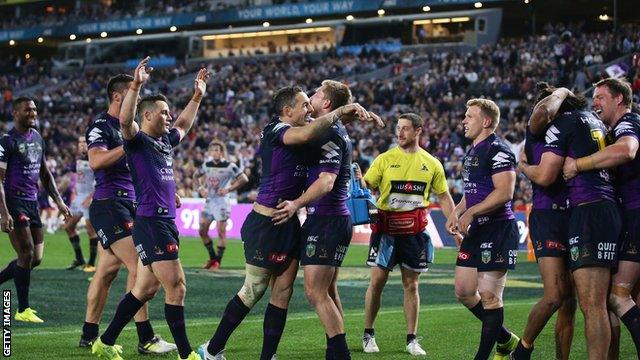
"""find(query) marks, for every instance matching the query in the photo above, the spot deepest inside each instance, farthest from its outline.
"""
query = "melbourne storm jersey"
(114, 181)
(332, 154)
(218, 176)
(487, 158)
(21, 157)
(628, 175)
(405, 180)
(151, 164)
(283, 170)
(577, 134)
(554, 196)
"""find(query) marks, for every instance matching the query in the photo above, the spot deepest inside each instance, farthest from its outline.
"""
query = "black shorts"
(630, 236)
(325, 240)
(112, 219)
(413, 252)
(269, 246)
(156, 239)
(594, 233)
(25, 213)
(490, 247)
(549, 230)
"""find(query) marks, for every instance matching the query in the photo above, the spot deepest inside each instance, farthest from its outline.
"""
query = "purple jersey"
(577, 134)
(332, 154)
(115, 181)
(21, 155)
(151, 164)
(489, 157)
(554, 196)
(283, 169)
(628, 175)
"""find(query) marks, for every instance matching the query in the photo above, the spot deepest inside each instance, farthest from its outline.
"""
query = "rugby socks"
(125, 311)
(491, 324)
(275, 319)
(371, 332)
(8, 272)
(221, 252)
(521, 352)
(410, 338)
(210, 250)
(337, 348)
(22, 279)
(93, 251)
(89, 331)
(631, 319)
(233, 315)
(75, 242)
(144, 330)
(174, 314)
(504, 334)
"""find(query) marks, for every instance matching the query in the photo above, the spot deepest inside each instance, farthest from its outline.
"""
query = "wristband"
(585, 163)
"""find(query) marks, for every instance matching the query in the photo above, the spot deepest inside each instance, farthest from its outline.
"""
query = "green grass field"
(448, 330)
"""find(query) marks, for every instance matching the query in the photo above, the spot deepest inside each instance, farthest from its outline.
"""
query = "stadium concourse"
(434, 82)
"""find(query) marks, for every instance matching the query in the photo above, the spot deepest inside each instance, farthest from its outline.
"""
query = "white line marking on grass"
(260, 320)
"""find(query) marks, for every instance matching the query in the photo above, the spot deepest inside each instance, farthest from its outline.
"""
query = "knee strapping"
(491, 285)
(621, 290)
(255, 285)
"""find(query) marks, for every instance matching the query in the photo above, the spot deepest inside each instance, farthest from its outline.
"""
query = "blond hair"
(488, 109)
(337, 93)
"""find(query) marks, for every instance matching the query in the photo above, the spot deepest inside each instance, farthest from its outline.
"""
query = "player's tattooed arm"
(49, 183)
(546, 110)
(621, 152)
(5, 217)
(128, 126)
(185, 121)
(347, 113)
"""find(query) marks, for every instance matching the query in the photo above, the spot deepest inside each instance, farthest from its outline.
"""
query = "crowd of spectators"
(238, 103)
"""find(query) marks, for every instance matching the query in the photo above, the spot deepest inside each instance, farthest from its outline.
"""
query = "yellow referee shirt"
(405, 180)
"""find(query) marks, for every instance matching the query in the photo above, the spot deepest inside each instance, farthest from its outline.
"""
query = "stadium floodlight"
(604, 17)
(139, 31)
(27, 56)
(442, 21)
(426, 8)
(88, 40)
(460, 19)
(173, 28)
(309, 20)
(350, 17)
(12, 42)
(40, 40)
(381, 12)
(527, 1)
(103, 34)
(477, 5)
(266, 24)
(72, 37)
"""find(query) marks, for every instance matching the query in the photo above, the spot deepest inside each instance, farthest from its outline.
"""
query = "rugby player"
(548, 227)
(612, 101)
(485, 218)
(22, 163)
(111, 213)
(218, 178)
(83, 188)
(148, 149)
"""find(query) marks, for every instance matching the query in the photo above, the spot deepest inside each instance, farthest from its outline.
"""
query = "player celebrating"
(405, 176)
(111, 212)
(148, 149)
(548, 224)
(612, 101)
(83, 193)
(22, 162)
(219, 178)
(270, 250)
(485, 218)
